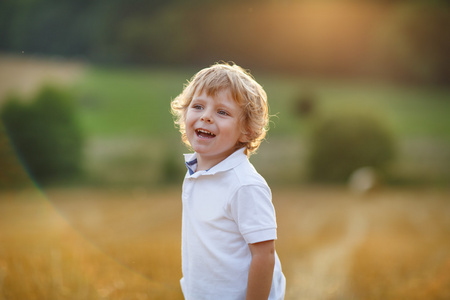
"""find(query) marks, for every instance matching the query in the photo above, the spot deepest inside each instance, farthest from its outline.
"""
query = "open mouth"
(202, 133)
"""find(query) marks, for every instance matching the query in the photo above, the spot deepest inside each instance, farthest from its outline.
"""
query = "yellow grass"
(89, 245)
(125, 244)
(407, 254)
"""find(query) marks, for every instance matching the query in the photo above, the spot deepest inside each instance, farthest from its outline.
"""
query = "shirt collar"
(228, 163)
(191, 162)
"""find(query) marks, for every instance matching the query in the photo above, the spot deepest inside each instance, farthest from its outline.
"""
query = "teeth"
(205, 132)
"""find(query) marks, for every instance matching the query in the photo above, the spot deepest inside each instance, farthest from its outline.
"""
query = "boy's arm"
(261, 270)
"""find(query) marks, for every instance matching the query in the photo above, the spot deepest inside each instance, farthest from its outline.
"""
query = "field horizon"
(124, 113)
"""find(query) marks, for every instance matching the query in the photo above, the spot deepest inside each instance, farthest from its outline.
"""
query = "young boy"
(228, 224)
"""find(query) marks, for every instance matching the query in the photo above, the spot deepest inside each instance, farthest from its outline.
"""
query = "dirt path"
(24, 75)
(324, 273)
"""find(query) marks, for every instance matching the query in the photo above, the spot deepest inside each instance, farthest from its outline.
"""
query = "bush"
(45, 134)
(342, 144)
(172, 168)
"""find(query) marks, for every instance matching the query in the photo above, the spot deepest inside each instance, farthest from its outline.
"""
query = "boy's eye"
(197, 106)
(223, 112)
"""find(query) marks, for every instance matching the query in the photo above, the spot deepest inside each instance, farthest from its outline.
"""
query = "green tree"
(45, 134)
(345, 143)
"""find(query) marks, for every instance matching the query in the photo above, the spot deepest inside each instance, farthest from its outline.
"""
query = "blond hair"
(248, 94)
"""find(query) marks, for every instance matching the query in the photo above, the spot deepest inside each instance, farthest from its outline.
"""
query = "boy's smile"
(202, 133)
(212, 127)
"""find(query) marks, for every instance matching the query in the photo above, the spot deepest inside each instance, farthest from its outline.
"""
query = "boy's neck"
(205, 162)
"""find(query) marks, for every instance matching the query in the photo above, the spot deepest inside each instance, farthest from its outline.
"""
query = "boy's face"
(212, 126)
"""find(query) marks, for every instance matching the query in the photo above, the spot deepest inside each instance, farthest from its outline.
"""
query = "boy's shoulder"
(246, 174)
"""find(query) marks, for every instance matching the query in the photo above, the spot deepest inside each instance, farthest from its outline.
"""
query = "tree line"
(400, 40)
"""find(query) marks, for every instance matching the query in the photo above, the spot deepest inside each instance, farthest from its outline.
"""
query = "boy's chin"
(203, 151)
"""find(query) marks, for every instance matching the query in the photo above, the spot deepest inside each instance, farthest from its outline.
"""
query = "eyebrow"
(198, 99)
(220, 104)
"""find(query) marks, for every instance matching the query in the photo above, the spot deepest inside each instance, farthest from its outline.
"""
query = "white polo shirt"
(225, 208)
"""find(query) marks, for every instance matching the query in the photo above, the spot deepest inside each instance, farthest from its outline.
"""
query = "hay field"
(83, 243)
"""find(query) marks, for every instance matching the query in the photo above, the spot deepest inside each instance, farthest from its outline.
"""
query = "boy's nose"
(206, 118)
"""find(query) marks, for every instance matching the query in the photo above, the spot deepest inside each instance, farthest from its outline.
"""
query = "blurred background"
(359, 93)
(119, 64)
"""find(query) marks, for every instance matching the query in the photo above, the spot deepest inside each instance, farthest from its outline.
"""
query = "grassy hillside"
(131, 138)
(117, 101)
(125, 115)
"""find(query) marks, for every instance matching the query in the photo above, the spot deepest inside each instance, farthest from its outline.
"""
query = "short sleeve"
(253, 211)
